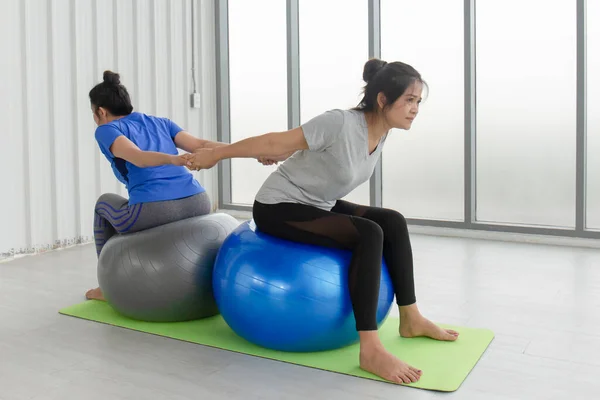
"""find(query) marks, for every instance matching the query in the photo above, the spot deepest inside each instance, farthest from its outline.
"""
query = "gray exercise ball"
(164, 274)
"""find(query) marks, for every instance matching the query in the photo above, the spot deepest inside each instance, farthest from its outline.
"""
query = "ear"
(381, 100)
(102, 112)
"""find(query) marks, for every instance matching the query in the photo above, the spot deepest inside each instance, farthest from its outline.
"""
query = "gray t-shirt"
(336, 162)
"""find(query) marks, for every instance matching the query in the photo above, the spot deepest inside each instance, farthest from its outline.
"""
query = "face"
(403, 112)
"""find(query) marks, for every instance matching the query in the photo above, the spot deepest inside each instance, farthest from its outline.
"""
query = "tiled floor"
(543, 303)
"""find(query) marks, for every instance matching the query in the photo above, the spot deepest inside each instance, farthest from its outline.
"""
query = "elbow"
(275, 146)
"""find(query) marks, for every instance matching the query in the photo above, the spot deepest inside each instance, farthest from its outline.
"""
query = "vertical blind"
(53, 53)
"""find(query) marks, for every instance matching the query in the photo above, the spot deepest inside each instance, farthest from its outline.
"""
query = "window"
(258, 84)
(423, 168)
(526, 112)
(593, 126)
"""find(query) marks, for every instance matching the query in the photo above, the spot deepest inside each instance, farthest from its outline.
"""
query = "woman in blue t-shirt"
(142, 151)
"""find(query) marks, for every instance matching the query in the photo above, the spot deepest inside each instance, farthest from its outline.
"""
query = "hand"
(182, 160)
(266, 161)
(202, 159)
(274, 160)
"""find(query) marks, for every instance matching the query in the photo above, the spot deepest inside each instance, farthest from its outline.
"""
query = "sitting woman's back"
(153, 183)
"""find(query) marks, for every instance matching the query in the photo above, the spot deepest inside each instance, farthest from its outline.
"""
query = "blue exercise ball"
(288, 296)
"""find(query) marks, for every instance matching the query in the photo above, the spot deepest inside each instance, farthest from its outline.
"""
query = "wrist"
(217, 153)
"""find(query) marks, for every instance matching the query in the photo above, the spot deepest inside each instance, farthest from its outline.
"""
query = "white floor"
(543, 303)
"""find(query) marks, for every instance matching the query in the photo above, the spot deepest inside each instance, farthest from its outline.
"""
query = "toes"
(412, 375)
(416, 371)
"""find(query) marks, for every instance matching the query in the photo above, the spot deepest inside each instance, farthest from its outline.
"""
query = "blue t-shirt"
(149, 133)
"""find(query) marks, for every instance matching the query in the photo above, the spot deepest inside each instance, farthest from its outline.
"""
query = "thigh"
(306, 224)
(384, 217)
(112, 203)
(158, 213)
(349, 208)
(115, 211)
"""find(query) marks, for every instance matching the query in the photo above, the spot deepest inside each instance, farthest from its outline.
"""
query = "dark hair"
(111, 95)
(390, 78)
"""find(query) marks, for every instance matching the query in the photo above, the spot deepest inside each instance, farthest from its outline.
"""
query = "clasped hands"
(205, 158)
(200, 159)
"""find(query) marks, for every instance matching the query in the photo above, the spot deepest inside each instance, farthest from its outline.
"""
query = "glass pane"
(526, 112)
(331, 61)
(593, 116)
(258, 84)
(423, 168)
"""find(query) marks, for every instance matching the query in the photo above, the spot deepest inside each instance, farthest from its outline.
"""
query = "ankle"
(409, 312)
(369, 341)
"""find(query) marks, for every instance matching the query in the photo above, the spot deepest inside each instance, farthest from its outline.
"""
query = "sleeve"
(174, 129)
(106, 136)
(322, 131)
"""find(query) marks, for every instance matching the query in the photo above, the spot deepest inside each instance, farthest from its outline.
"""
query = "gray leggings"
(113, 214)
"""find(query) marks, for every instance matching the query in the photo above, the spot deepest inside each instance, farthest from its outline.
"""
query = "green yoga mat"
(445, 365)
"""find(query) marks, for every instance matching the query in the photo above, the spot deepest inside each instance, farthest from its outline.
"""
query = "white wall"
(53, 53)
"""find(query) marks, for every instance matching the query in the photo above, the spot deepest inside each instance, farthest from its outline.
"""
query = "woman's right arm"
(190, 143)
(268, 145)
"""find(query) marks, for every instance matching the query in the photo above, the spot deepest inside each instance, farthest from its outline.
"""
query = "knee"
(114, 200)
(102, 199)
(394, 225)
(105, 198)
(369, 230)
(394, 218)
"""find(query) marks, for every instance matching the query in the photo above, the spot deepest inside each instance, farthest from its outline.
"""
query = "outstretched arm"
(128, 151)
(268, 145)
(190, 143)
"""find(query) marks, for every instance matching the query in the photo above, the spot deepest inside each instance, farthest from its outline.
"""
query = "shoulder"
(342, 117)
(138, 116)
(328, 119)
(107, 130)
(156, 120)
(334, 114)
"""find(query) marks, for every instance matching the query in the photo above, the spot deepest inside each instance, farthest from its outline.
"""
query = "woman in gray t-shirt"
(325, 159)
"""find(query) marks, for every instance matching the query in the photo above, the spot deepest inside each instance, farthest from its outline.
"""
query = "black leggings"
(369, 232)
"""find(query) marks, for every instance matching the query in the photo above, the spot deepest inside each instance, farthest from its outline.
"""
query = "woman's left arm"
(127, 150)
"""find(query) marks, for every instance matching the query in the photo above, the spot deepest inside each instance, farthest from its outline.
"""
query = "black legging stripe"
(369, 232)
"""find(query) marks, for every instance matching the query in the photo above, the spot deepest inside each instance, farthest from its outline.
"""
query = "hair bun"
(371, 68)
(112, 78)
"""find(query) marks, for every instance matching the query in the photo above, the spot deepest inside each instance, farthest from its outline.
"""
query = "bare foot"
(377, 360)
(95, 294)
(421, 326)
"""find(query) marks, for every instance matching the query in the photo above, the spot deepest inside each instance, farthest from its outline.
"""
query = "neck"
(376, 125)
(111, 118)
